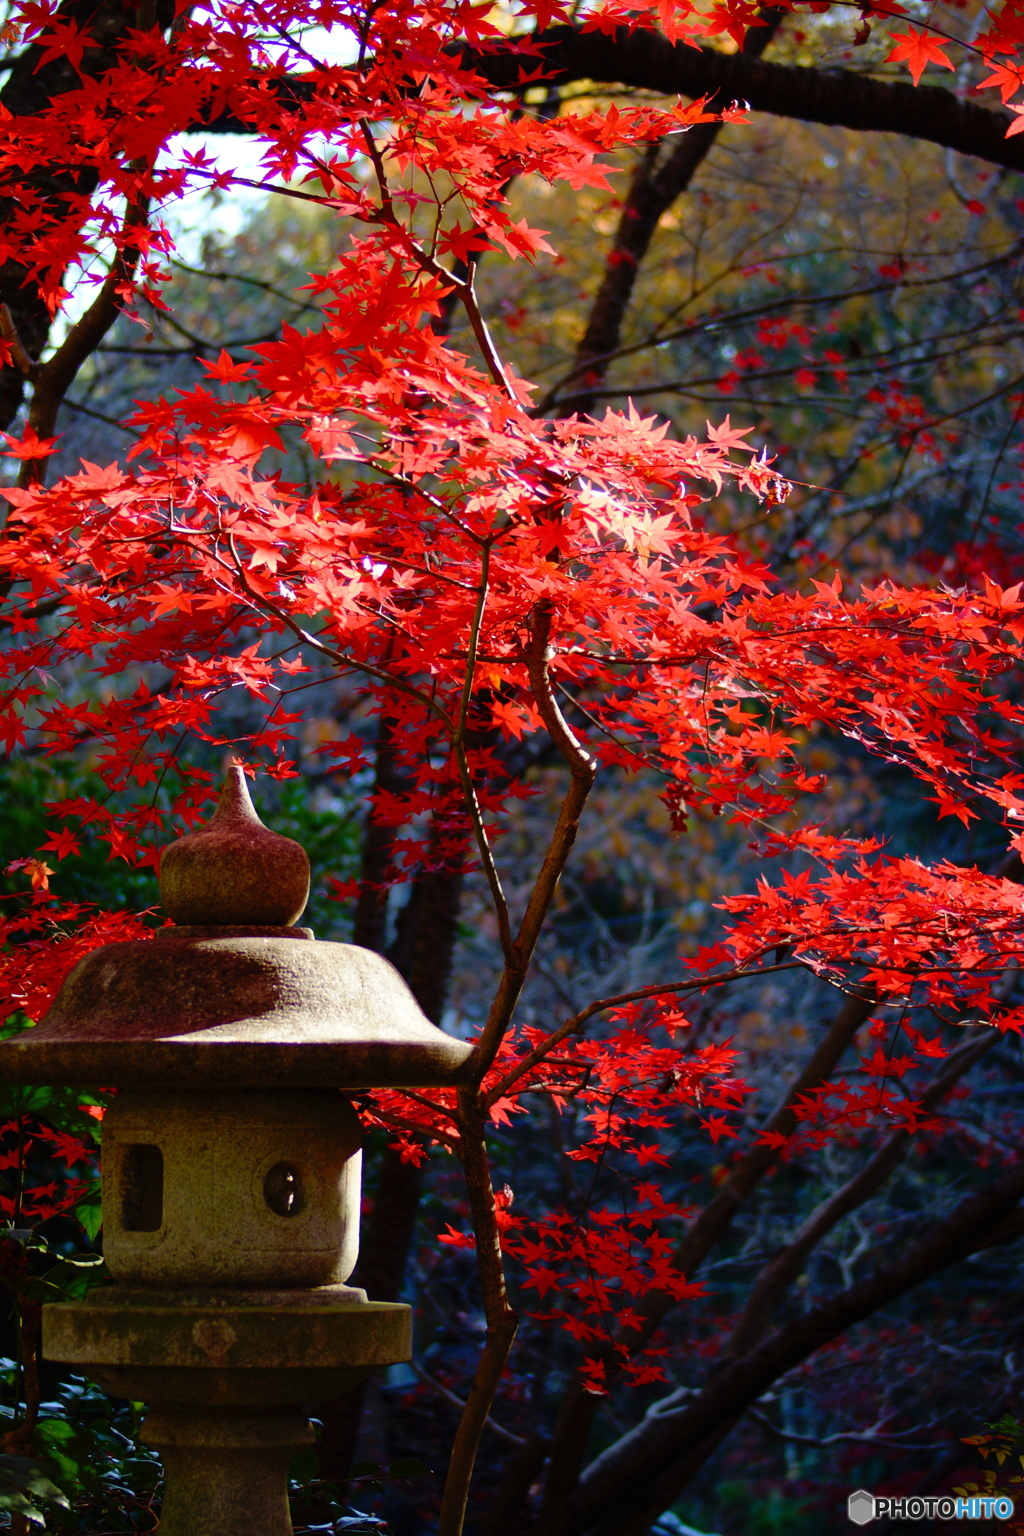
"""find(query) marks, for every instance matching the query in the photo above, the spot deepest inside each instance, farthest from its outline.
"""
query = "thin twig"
(402, 1124)
(437, 1109)
(474, 641)
(821, 1442)
(460, 1403)
(466, 778)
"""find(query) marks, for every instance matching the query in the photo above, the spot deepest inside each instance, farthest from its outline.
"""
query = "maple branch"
(459, 734)
(538, 656)
(484, 340)
(54, 378)
(435, 1109)
(402, 1124)
(502, 1320)
(646, 60)
(498, 897)
(573, 1025)
(465, 775)
(377, 161)
(465, 287)
(476, 817)
(466, 290)
(437, 502)
(583, 771)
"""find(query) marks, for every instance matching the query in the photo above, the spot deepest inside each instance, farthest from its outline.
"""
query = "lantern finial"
(235, 871)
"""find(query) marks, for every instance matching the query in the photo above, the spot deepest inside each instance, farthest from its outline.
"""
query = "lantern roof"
(232, 995)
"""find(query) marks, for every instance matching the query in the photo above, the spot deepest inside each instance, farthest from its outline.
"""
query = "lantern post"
(231, 1166)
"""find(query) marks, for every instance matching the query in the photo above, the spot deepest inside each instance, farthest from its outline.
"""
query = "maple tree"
(502, 587)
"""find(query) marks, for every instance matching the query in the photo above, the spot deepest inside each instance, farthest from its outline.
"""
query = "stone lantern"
(231, 1166)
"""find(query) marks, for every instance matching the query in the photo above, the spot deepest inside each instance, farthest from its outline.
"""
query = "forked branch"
(583, 770)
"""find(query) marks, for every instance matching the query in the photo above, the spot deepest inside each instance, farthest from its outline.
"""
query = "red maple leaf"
(918, 49)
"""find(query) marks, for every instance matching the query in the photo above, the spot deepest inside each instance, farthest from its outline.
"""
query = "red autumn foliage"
(488, 576)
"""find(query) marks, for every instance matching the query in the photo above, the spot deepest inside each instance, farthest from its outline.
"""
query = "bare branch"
(779, 1273)
(863, 1437)
(502, 1321)
(458, 1402)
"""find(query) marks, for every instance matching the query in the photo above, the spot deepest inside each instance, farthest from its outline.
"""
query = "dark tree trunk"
(29, 90)
(422, 950)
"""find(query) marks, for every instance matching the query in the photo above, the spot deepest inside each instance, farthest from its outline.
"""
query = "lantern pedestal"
(225, 1374)
(226, 1474)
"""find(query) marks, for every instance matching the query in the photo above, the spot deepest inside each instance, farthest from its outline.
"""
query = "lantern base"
(156, 1349)
(224, 1376)
(226, 1474)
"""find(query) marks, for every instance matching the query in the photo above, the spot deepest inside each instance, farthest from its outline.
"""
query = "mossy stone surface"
(242, 1010)
(235, 870)
(244, 1338)
(254, 1189)
(227, 1475)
